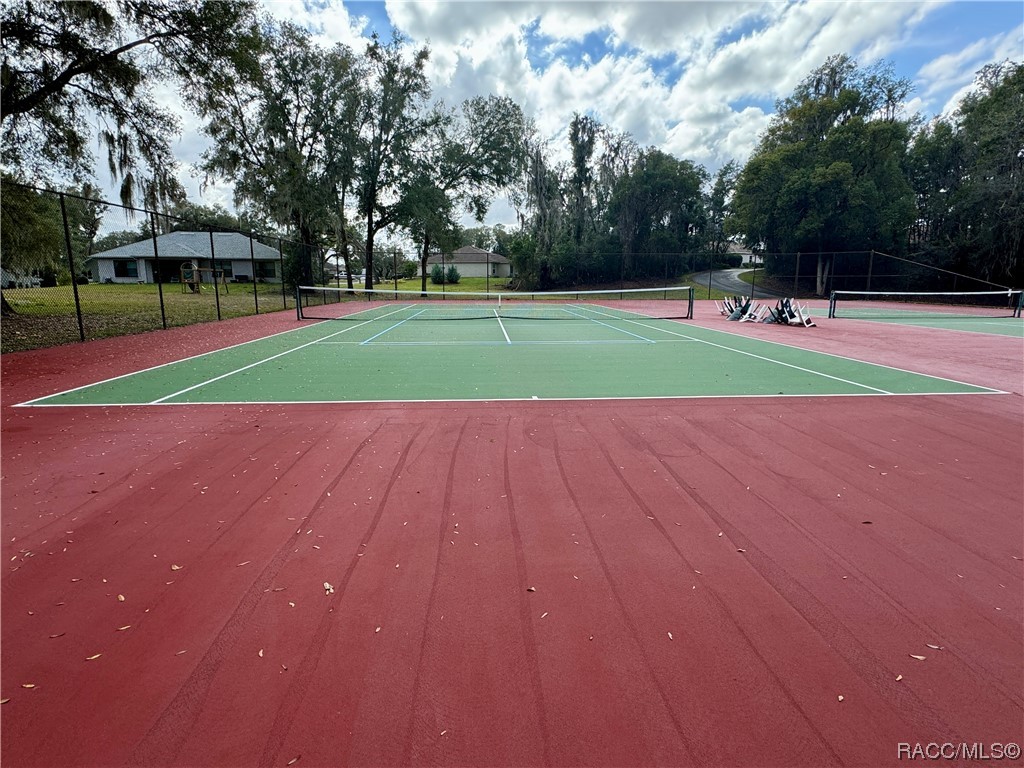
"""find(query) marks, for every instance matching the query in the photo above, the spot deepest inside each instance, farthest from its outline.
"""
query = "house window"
(224, 266)
(126, 268)
(265, 269)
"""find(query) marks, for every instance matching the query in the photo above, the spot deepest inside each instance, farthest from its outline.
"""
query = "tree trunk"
(824, 263)
(423, 263)
(369, 248)
(6, 309)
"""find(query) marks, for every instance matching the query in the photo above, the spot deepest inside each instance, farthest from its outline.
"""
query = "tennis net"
(910, 305)
(360, 304)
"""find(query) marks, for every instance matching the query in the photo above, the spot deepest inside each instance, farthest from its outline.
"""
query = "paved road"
(728, 280)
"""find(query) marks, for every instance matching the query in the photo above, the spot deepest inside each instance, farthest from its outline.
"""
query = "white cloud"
(727, 62)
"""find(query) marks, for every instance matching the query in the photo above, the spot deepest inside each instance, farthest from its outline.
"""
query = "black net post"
(252, 261)
(71, 267)
(394, 267)
(213, 265)
(871, 264)
(156, 269)
(487, 271)
(796, 277)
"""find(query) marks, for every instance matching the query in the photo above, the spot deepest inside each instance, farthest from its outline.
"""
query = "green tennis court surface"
(394, 357)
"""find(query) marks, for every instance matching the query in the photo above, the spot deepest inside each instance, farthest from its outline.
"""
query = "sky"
(698, 80)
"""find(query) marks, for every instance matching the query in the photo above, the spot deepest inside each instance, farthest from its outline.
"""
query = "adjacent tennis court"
(584, 346)
(994, 312)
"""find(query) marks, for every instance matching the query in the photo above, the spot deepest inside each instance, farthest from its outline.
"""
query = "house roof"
(469, 254)
(193, 245)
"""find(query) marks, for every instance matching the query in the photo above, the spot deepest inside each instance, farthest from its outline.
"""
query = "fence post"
(252, 261)
(871, 263)
(796, 277)
(284, 289)
(394, 267)
(71, 267)
(213, 266)
(156, 269)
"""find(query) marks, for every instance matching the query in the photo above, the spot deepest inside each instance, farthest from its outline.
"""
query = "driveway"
(728, 280)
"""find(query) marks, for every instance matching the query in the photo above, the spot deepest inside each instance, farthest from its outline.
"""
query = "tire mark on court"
(305, 672)
(893, 601)
(815, 613)
(449, 488)
(525, 615)
(635, 439)
(981, 554)
(165, 739)
(666, 702)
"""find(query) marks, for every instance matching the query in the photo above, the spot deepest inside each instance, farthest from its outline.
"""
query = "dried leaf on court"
(670, 636)
(93, 657)
(934, 647)
(898, 678)
(181, 652)
(261, 653)
(122, 629)
(4, 701)
(376, 630)
(328, 589)
(531, 589)
(840, 698)
(59, 634)
(919, 658)
(544, 614)
(294, 760)
(120, 598)
(291, 604)
(28, 685)
(741, 550)
(175, 567)
(245, 563)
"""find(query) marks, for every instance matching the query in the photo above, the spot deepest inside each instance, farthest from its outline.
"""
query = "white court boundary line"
(757, 357)
(606, 325)
(826, 354)
(502, 326)
(531, 399)
(36, 400)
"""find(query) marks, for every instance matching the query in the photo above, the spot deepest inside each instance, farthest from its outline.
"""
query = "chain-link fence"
(810, 275)
(63, 282)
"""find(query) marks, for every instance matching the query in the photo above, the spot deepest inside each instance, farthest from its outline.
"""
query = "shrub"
(452, 275)
(409, 269)
(436, 274)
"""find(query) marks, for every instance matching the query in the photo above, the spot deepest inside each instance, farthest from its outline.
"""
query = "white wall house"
(136, 262)
(474, 262)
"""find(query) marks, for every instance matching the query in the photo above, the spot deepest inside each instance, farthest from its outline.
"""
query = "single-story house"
(16, 278)
(473, 262)
(136, 263)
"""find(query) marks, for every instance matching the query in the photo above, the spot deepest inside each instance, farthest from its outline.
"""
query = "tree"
(719, 208)
(393, 120)
(657, 210)
(828, 174)
(463, 162)
(65, 62)
(277, 130)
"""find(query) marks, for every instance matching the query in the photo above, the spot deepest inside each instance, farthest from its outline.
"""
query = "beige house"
(473, 262)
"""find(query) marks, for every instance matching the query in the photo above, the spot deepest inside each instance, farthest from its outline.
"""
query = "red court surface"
(616, 583)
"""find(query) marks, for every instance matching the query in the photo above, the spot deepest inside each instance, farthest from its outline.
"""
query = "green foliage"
(283, 131)
(437, 274)
(64, 63)
(452, 275)
(31, 231)
(968, 175)
(408, 269)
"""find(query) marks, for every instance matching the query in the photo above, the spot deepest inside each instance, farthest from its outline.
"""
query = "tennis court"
(404, 350)
(994, 312)
(592, 532)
